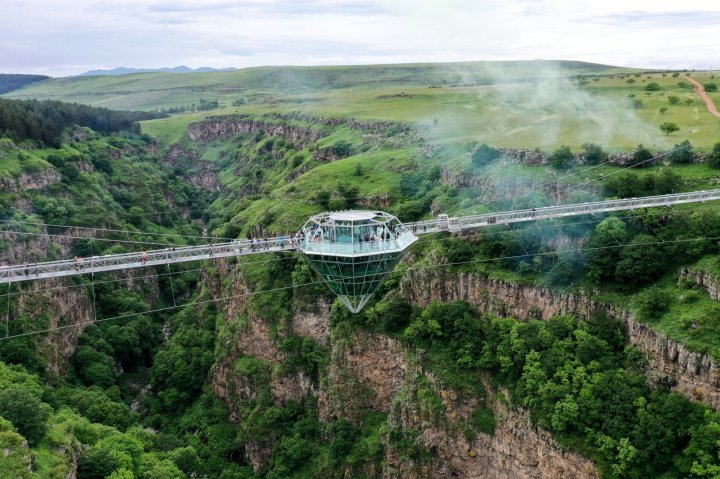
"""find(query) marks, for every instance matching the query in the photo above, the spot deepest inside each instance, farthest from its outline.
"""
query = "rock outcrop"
(703, 279)
(202, 174)
(223, 127)
(515, 450)
(29, 180)
(696, 375)
(492, 189)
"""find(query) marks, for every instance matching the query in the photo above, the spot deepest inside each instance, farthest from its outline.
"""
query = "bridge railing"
(516, 216)
(97, 264)
(170, 255)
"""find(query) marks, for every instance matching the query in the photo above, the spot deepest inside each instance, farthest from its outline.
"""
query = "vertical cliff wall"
(694, 374)
(373, 372)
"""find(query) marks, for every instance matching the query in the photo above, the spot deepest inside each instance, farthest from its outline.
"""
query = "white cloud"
(41, 36)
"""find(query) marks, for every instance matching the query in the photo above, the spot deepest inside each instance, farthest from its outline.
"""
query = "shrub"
(652, 303)
(341, 149)
(713, 159)
(562, 157)
(641, 157)
(483, 419)
(593, 154)
(27, 413)
(484, 155)
(682, 153)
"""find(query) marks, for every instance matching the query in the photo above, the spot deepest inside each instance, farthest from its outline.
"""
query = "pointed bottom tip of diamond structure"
(355, 303)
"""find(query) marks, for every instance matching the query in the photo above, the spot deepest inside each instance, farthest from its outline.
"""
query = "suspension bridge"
(353, 250)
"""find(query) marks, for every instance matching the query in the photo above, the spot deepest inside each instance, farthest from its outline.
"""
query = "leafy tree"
(391, 316)
(44, 121)
(710, 86)
(667, 182)
(673, 100)
(603, 255)
(343, 436)
(682, 153)
(642, 157)
(483, 155)
(561, 157)
(99, 464)
(98, 407)
(663, 109)
(593, 154)
(187, 459)
(25, 411)
(668, 127)
(652, 86)
(702, 455)
(164, 469)
(342, 148)
(565, 271)
(180, 369)
(713, 158)
(651, 303)
(15, 460)
(411, 210)
(641, 261)
(637, 104)
(624, 186)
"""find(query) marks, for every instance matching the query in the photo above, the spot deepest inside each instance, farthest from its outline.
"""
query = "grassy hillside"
(163, 90)
(529, 114)
(532, 104)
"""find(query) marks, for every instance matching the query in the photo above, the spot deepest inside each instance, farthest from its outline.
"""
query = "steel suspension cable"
(443, 265)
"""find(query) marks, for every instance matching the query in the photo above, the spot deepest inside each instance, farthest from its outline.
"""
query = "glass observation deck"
(354, 251)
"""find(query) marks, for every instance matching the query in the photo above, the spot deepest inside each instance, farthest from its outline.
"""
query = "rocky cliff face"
(373, 372)
(29, 181)
(693, 374)
(54, 305)
(223, 127)
(538, 158)
(201, 174)
(703, 279)
(515, 450)
(59, 302)
(491, 189)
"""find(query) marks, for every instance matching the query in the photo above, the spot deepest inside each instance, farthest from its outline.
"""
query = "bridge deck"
(98, 264)
(516, 216)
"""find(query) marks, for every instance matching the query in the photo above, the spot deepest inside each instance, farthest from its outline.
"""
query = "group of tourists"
(362, 234)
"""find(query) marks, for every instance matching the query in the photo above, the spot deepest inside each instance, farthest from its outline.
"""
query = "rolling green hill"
(163, 90)
(527, 104)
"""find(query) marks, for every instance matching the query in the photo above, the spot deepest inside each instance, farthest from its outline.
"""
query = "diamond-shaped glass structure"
(354, 251)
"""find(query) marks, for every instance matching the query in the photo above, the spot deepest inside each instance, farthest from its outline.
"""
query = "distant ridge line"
(129, 71)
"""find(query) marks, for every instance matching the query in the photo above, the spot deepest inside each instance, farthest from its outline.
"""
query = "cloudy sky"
(65, 37)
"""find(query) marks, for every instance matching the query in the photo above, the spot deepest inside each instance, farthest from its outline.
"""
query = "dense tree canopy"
(44, 121)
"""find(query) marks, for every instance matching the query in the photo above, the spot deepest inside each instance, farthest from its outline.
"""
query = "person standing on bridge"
(143, 257)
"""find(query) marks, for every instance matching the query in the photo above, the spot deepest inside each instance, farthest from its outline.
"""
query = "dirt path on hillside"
(700, 90)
